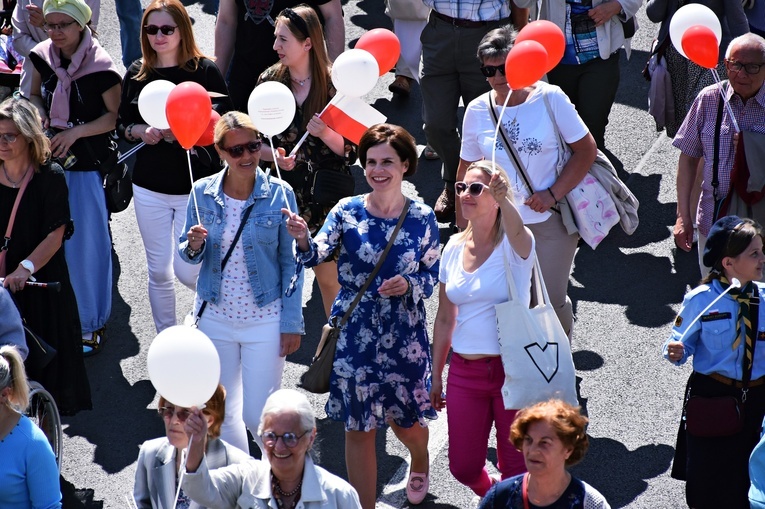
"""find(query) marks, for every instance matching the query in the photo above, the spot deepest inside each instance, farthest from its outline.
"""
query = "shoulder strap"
(9, 229)
(509, 147)
(525, 490)
(380, 261)
(228, 254)
(716, 161)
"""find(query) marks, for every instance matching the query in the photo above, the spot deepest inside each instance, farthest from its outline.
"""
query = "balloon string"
(279, 174)
(191, 176)
(130, 152)
(496, 129)
(182, 470)
(305, 135)
(725, 99)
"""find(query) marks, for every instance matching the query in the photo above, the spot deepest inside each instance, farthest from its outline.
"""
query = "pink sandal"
(417, 487)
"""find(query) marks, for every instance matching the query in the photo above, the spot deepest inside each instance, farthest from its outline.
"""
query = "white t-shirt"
(475, 294)
(530, 129)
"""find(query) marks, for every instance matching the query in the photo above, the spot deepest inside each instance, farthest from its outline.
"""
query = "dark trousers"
(592, 88)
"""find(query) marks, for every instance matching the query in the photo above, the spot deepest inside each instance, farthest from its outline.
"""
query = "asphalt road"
(626, 293)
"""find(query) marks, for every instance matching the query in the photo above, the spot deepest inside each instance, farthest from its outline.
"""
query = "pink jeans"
(474, 399)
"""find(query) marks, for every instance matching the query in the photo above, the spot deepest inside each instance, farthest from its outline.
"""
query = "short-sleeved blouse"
(382, 364)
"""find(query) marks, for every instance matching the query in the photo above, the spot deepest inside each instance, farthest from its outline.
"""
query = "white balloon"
(152, 101)
(271, 107)
(691, 15)
(184, 366)
(355, 72)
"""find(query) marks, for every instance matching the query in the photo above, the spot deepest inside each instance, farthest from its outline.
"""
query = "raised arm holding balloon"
(76, 88)
(247, 261)
(161, 179)
(305, 68)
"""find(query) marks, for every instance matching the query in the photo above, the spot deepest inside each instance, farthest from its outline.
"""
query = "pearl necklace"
(301, 82)
(287, 494)
(8, 178)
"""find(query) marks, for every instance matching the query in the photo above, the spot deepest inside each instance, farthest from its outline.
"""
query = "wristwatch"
(28, 265)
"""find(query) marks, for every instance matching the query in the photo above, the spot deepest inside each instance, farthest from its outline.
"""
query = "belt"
(736, 383)
(463, 23)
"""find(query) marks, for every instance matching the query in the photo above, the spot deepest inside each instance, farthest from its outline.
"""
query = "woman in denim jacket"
(251, 322)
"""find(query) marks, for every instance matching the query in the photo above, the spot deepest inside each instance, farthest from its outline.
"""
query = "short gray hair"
(497, 43)
(748, 39)
(289, 400)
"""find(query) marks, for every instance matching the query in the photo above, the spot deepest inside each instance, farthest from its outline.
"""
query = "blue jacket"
(712, 338)
(268, 248)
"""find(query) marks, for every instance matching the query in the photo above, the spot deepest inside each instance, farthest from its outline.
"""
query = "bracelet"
(192, 252)
(129, 132)
(552, 194)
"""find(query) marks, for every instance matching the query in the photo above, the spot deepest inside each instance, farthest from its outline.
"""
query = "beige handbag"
(408, 10)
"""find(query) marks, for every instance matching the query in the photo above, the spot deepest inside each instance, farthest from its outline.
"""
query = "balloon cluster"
(695, 32)
(537, 49)
(185, 109)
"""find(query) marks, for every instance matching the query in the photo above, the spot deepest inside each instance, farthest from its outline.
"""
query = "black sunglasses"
(490, 70)
(237, 151)
(475, 188)
(165, 29)
(168, 411)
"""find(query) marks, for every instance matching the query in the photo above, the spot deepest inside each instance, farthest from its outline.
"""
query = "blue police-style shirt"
(712, 338)
(268, 247)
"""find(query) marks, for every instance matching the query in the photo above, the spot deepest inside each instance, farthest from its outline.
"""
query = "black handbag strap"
(378, 266)
(716, 160)
(512, 152)
(228, 255)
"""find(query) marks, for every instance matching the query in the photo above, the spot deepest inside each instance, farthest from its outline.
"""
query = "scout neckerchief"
(748, 309)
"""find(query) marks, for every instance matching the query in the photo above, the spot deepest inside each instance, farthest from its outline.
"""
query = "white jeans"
(161, 219)
(250, 370)
(408, 33)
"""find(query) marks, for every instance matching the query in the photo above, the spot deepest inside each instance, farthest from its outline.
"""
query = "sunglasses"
(51, 27)
(475, 188)
(490, 70)
(8, 137)
(168, 412)
(290, 439)
(237, 151)
(165, 29)
(749, 68)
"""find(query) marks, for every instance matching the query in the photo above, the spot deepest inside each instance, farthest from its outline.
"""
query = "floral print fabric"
(382, 363)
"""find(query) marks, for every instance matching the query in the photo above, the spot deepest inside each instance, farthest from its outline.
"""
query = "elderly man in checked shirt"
(745, 63)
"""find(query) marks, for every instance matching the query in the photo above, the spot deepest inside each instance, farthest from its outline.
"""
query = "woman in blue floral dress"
(382, 364)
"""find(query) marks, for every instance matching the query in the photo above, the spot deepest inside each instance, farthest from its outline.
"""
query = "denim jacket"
(268, 248)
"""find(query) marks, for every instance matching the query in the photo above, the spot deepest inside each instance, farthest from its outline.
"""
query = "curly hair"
(566, 420)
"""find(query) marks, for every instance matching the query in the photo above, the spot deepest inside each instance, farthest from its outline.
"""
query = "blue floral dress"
(382, 363)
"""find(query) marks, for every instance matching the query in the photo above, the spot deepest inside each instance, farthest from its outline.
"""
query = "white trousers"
(250, 370)
(408, 33)
(161, 219)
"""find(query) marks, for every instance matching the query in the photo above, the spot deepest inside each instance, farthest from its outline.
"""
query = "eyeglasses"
(735, 66)
(490, 70)
(474, 188)
(51, 27)
(290, 439)
(8, 137)
(165, 29)
(168, 412)
(237, 151)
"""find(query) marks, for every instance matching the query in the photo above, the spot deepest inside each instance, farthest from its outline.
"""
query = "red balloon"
(383, 45)
(549, 35)
(188, 112)
(526, 64)
(207, 136)
(700, 44)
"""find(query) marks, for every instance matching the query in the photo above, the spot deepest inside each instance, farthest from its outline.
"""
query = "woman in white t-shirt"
(473, 280)
(527, 125)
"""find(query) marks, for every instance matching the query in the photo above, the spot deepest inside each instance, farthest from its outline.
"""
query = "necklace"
(15, 184)
(301, 82)
(278, 488)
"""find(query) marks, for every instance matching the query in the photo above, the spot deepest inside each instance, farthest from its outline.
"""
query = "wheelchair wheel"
(44, 413)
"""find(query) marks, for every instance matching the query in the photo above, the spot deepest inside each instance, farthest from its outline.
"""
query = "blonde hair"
(231, 121)
(499, 231)
(189, 53)
(13, 375)
(27, 120)
(320, 64)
